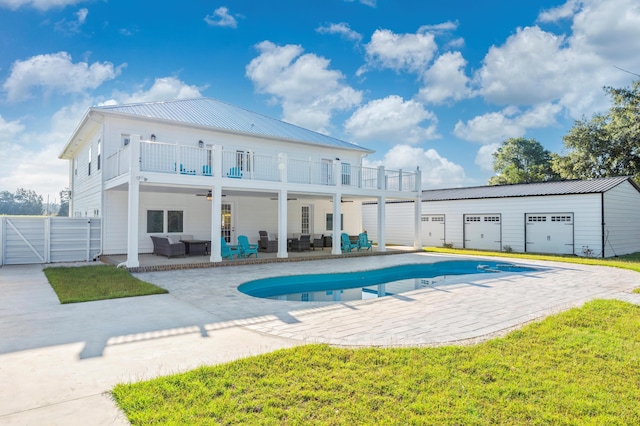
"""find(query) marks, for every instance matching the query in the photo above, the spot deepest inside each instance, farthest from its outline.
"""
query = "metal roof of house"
(591, 186)
(213, 113)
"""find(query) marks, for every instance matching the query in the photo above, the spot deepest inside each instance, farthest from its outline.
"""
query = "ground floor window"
(157, 218)
(305, 219)
(174, 220)
(329, 222)
(155, 221)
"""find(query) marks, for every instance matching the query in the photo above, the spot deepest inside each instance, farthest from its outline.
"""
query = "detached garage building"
(599, 217)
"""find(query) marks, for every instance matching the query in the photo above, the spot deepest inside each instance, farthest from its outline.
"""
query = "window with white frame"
(329, 222)
(99, 154)
(126, 139)
(89, 162)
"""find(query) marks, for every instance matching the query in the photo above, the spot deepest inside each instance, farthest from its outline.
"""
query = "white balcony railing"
(161, 157)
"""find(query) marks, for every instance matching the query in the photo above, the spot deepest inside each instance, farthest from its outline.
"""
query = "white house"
(596, 217)
(209, 169)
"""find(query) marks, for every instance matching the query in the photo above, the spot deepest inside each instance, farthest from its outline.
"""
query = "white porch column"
(417, 237)
(216, 224)
(336, 246)
(382, 218)
(282, 224)
(133, 205)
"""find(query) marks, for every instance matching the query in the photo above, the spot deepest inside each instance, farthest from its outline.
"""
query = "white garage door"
(549, 233)
(433, 230)
(483, 231)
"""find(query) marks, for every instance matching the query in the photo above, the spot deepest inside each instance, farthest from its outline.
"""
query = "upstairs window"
(99, 154)
(89, 163)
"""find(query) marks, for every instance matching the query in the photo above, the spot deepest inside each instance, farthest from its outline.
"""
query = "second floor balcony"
(216, 161)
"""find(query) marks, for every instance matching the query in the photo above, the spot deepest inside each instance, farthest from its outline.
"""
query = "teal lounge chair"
(227, 250)
(346, 243)
(235, 172)
(245, 248)
(364, 242)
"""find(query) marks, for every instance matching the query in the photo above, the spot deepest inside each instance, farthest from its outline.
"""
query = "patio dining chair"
(227, 250)
(245, 248)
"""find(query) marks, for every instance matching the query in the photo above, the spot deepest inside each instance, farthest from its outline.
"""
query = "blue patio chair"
(245, 248)
(206, 170)
(364, 242)
(227, 250)
(235, 172)
(347, 245)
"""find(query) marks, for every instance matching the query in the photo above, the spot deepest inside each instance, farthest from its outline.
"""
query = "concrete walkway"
(58, 362)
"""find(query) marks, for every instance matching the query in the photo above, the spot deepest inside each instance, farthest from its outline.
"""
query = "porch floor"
(151, 262)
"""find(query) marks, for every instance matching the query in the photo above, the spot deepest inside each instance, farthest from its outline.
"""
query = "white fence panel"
(26, 240)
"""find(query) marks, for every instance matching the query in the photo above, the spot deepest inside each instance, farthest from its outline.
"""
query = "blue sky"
(435, 84)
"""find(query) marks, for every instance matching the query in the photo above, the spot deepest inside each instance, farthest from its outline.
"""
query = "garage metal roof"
(567, 187)
(213, 113)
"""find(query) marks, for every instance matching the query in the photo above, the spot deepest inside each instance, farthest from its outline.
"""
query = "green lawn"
(629, 261)
(578, 367)
(88, 283)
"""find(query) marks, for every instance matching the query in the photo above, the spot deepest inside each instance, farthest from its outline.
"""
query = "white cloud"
(446, 80)
(555, 14)
(440, 28)
(341, 29)
(484, 157)
(303, 83)
(400, 52)
(56, 73)
(496, 127)
(437, 172)
(392, 120)
(164, 88)
(370, 3)
(71, 27)
(535, 66)
(38, 4)
(9, 129)
(221, 18)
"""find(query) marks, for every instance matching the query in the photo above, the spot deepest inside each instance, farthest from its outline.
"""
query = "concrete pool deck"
(58, 362)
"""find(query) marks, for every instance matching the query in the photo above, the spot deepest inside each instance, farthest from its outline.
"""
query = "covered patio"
(151, 262)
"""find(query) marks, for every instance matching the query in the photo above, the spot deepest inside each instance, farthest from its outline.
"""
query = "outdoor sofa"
(166, 246)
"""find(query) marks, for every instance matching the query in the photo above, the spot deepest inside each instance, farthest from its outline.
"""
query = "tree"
(607, 144)
(23, 202)
(64, 202)
(521, 160)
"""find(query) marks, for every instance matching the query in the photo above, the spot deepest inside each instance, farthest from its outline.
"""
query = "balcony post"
(337, 172)
(400, 176)
(133, 204)
(216, 167)
(282, 166)
(381, 178)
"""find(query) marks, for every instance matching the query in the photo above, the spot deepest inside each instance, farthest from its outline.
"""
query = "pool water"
(369, 284)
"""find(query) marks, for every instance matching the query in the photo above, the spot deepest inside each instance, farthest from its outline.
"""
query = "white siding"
(85, 188)
(114, 223)
(398, 225)
(585, 207)
(621, 217)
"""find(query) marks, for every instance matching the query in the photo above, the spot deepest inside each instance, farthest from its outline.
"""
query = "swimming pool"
(369, 284)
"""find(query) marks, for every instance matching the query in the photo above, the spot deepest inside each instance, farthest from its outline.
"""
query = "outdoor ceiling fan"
(209, 195)
(342, 200)
(288, 198)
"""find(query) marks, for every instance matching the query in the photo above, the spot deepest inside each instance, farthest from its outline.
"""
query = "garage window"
(492, 218)
(560, 218)
(537, 218)
(437, 219)
(472, 218)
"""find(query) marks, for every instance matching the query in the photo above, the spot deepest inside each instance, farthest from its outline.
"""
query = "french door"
(228, 227)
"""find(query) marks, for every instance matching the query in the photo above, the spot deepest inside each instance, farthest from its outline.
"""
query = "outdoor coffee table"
(196, 247)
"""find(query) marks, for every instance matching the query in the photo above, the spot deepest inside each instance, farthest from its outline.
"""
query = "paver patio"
(59, 361)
